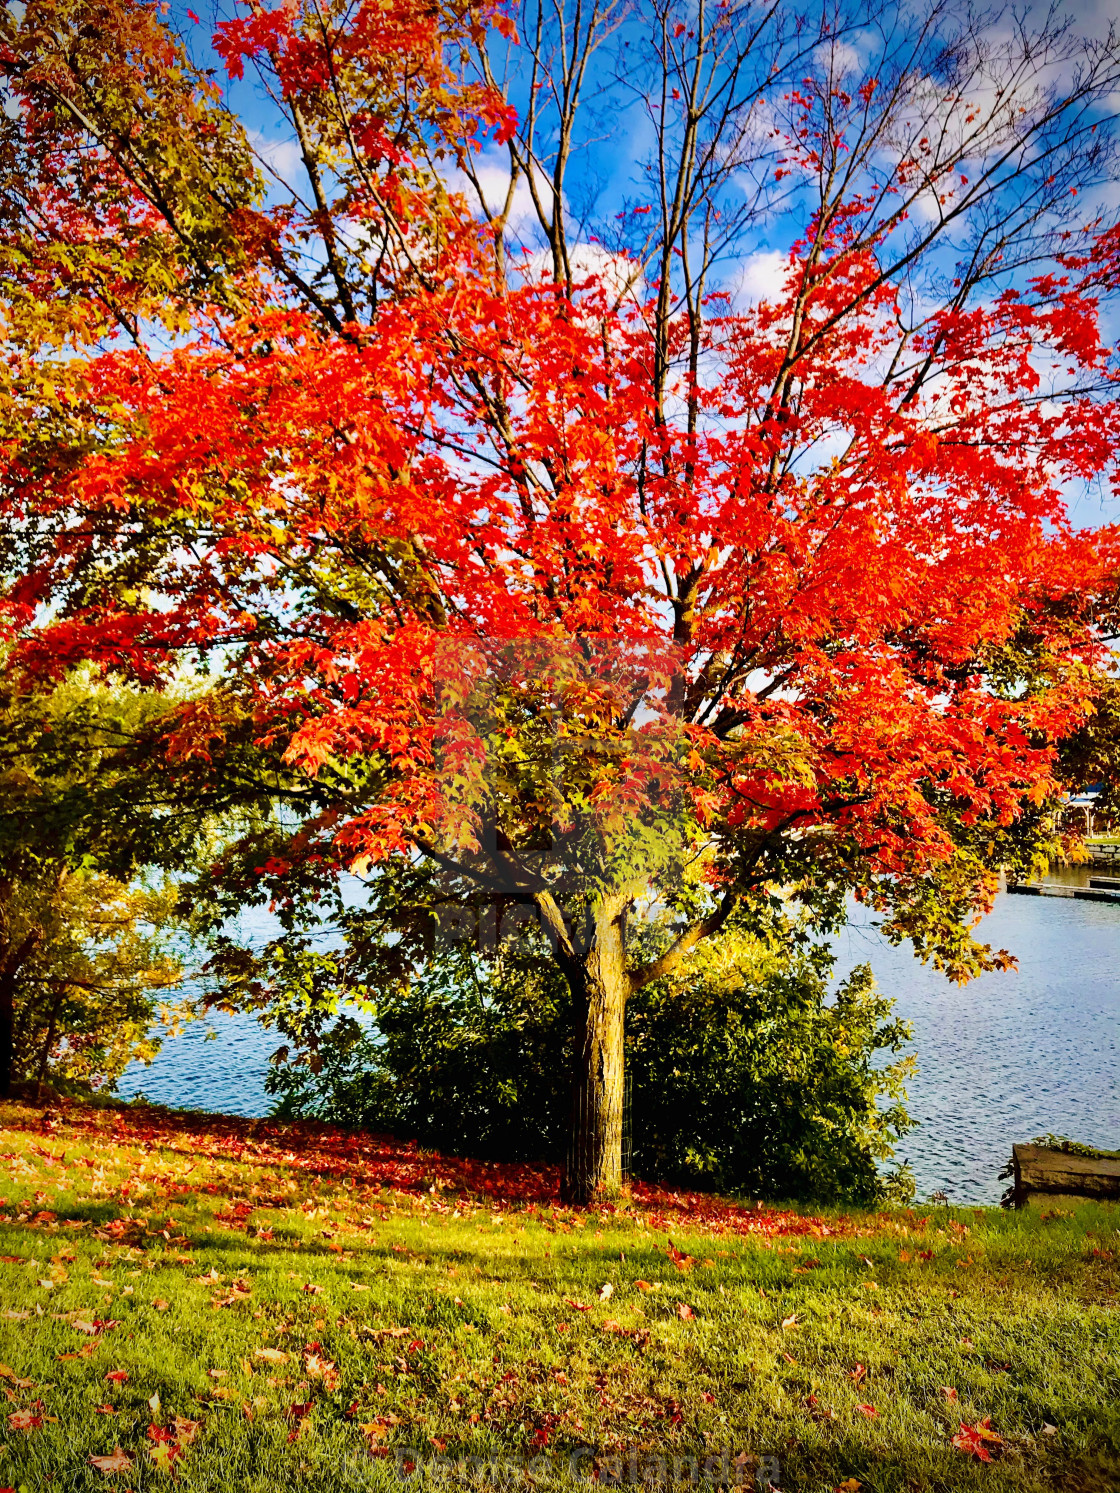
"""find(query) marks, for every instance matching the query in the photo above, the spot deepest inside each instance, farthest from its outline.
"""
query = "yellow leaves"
(271, 1355)
(317, 1367)
(163, 1454)
(789, 1322)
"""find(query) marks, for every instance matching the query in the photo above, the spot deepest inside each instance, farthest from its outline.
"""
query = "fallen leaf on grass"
(643, 1285)
(975, 1440)
(271, 1355)
(950, 1394)
(858, 1373)
(104, 1410)
(116, 1461)
(163, 1454)
(160, 1304)
(849, 1485)
(94, 1327)
(868, 1410)
(311, 1289)
(24, 1420)
(576, 1306)
(117, 1376)
(374, 1430)
(788, 1322)
(297, 1415)
(606, 1292)
(185, 1430)
(685, 1313)
(1048, 1429)
(238, 1292)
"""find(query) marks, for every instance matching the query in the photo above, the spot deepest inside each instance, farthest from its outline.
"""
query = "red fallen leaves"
(868, 1410)
(297, 1415)
(168, 1444)
(685, 1312)
(975, 1440)
(379, 1160)
(93, 1327)
(28, 1419)
(117, 1376)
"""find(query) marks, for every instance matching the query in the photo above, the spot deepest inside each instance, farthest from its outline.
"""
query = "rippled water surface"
(1001, 1060)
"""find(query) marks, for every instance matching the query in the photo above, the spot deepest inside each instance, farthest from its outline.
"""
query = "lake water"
(1001, 1060)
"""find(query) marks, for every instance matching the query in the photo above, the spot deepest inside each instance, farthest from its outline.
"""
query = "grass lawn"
(240, 1305)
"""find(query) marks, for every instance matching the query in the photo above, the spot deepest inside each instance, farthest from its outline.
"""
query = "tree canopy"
(562, 567)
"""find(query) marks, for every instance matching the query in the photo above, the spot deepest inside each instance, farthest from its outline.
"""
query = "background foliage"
(745, 1076)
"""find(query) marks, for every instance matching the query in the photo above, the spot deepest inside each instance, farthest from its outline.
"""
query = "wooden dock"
(1096, 891)
(1038, 1169)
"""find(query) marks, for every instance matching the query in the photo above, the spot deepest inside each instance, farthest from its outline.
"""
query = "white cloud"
(620, 276)
(281, 157)
(490, 187)
(839, 58)
(762, 277)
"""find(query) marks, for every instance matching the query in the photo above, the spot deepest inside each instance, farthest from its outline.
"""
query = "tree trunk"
(600, 984)
(11, 962)
(7, 1032)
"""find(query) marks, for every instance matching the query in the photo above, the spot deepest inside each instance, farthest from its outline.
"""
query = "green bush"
(744, 1075)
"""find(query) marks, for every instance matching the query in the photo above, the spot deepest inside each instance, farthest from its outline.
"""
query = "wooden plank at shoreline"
(1038, 1169)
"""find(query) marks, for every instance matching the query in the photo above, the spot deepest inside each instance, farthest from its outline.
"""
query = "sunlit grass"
(326, 1319)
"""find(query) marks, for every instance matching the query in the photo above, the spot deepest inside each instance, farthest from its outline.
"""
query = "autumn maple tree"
(610, 596)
